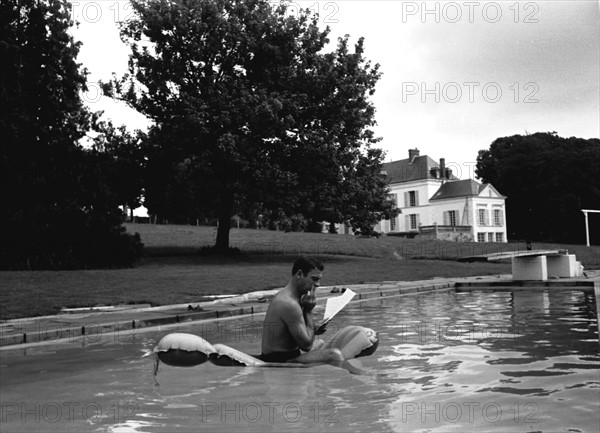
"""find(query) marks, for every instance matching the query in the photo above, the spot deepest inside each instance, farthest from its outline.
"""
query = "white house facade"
(435, 204)
(467, 210)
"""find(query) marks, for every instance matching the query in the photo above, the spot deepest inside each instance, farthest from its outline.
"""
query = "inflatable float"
(188, 350)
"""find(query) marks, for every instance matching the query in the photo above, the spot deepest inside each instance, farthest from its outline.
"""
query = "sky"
(456, 75)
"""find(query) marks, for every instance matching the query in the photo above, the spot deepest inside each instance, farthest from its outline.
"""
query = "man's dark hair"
(306, 264)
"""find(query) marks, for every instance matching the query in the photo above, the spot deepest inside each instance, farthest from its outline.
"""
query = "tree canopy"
(250, 113)
(55, 212)
(121, 156)
(548, 180)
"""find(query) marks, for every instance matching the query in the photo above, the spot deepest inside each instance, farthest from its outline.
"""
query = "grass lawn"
(172, 272)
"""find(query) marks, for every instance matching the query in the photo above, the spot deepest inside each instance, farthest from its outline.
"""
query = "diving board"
(509, 255)
(535, 265)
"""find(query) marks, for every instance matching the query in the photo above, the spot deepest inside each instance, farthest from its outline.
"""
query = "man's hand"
(321, 329)
(309, 300)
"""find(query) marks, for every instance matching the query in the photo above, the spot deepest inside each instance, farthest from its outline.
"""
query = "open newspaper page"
(335, 305)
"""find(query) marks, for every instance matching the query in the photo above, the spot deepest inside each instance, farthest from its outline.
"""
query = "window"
(412, 222)
(480, 237)
(483, 216)
(499, 237)
(490, 237)
(393, 224)
(498, 218)
(452, 217)
(411, 199)
(395, 199)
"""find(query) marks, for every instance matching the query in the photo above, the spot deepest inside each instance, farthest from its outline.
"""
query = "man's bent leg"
(327, 356)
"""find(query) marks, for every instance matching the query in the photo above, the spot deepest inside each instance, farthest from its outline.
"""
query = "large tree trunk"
(225, 214)
(222, 244)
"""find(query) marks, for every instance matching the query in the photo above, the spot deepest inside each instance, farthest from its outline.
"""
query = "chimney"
(412, 154)
(443, 168)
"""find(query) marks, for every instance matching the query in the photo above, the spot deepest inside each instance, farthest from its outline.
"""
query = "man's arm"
(308, 303)
(301, 326)
(310, 327)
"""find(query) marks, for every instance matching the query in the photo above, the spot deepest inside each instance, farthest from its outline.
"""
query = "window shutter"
(407, 222)
(416, 198)
(406, 200)
(501, 218)
(487, 218)
(418, 222)
(446, 218)
(457, 220)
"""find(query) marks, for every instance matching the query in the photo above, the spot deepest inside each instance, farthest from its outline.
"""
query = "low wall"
(446, 233)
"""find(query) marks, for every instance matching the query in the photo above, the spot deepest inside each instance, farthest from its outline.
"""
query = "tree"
(548, 180)
(54, 213)
(121, 155)
(369, 199)
(244, 98)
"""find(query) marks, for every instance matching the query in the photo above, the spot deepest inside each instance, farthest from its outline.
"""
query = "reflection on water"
(521, 361)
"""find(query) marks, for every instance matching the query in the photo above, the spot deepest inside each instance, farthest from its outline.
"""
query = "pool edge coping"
(381, 290)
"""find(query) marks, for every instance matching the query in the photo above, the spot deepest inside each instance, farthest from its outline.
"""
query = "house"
(437, 205)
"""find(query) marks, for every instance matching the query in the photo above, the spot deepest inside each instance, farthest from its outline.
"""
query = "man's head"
(307, 273)
(306, 264)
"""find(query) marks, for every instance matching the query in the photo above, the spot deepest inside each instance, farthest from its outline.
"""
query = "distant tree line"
(547, 180)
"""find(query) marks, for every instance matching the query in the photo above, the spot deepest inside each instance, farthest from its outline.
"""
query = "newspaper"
(335, 305)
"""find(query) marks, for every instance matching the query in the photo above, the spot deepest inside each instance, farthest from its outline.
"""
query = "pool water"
(524, 361)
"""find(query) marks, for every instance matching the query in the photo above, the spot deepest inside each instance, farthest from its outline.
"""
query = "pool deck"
(95, 323)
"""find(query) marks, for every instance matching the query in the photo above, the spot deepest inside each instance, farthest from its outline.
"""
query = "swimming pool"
(525, 360)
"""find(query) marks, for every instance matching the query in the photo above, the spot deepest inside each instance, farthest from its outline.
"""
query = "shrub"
(211, 250)
(75, 241)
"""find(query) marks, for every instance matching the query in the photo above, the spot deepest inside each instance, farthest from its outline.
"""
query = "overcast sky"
(456, 75)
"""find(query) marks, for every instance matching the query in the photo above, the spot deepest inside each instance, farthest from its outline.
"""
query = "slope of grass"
(160, 240)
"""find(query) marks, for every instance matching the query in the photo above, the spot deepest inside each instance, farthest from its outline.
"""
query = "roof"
(405, 171)
(458, 188)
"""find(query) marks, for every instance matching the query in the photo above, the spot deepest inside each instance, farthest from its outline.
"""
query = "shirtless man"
(289, 328)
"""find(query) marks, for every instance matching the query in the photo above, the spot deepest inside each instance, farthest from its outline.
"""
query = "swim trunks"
(280, 356)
